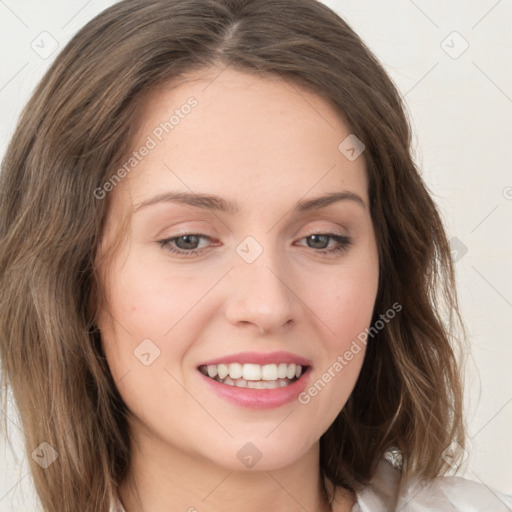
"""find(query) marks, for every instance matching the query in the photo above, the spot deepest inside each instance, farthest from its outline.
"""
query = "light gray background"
(461, 106)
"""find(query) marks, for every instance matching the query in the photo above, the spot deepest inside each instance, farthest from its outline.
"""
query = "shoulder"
(443, 494)
(453, 493)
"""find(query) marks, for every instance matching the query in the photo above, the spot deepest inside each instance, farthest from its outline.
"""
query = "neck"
(162, 478)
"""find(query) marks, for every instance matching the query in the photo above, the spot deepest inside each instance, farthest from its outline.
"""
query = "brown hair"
(72, 135)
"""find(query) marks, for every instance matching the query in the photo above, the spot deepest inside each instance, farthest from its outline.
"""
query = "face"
(256, 279)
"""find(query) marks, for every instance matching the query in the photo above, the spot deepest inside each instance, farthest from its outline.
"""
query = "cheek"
(345, 308)
(151, 322)
(148, 300)
(144, 306)
(345, 303)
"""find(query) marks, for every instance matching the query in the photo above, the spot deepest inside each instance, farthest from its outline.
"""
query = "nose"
(261, 296)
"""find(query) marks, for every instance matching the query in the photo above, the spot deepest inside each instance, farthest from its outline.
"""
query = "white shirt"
(443, 494)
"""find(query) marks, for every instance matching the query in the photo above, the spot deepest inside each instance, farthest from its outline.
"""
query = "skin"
(266, 144)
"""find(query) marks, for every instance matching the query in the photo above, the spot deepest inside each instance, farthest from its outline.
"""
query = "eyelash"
(343, 241)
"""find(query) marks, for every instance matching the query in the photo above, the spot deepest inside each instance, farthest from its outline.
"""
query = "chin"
(262, 453)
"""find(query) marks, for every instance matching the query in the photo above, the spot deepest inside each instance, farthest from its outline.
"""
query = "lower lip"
(259, 398)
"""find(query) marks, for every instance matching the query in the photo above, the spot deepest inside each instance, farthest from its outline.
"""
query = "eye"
(320, 241)
(188, 244)
(185, 245)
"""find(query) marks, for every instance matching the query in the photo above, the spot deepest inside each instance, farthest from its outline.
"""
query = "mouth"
(254, 376)
(257, 380)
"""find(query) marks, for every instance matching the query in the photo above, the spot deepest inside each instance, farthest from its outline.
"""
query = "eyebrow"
(217, 203)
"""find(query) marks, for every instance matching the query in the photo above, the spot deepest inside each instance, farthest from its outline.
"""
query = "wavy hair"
(74, 132)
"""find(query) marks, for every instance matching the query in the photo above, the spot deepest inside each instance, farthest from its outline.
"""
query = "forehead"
(265, 138)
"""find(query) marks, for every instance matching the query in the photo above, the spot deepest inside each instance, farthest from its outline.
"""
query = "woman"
(212, 232)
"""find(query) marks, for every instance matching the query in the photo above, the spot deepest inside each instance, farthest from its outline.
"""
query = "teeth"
(253, 372)
(222, 371)
(235, 370)
(261, 384)
(228, 381)
(282, 370)
(255, 384)
(269, 372)
(291, 371)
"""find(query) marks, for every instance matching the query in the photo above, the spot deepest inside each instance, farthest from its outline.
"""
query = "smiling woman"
(173, 318)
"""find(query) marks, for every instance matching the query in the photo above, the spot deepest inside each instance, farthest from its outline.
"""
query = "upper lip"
(260, 358)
